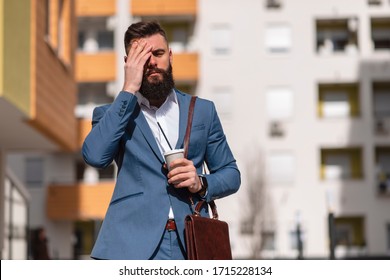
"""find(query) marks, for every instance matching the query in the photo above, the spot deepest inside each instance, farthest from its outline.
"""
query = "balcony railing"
(79, 201)
(185, 67)
(85, 127)
(163, 7)
(95, 7)
(95, 67)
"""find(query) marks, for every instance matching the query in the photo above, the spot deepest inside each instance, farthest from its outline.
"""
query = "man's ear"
(170, 55)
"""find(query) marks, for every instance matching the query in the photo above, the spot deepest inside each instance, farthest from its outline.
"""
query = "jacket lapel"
(184, 103)
(143, 125)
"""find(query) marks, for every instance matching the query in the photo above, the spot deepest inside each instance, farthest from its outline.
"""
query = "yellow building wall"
(15, 53)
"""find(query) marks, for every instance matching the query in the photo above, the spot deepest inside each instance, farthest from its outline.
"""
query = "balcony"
(380, 30)
(185, 67)
(79, 201)
(96, 67)
(337, 36)
(338, 100)
(164, 7)
(341, 164)
(85, 127)
(95, 7)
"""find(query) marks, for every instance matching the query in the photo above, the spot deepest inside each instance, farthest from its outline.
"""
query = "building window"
(278, 38)
(57, 29)
(273, 4)
(94, 34)
(380, 33)
(34, 172)
(382, 160)
(223, 99)
(381, 107)
(336, 35)
(341, 163)
(374, 2)
(221, 40)
(178, 34)
(268, 240)
(85, 173)
(381, 92)
(280, 103)
(280, 167)
(247, 227)
(388, 238)
(91, 95)
(338, 100)
(105, 40)
(349, 231)
(47, 19)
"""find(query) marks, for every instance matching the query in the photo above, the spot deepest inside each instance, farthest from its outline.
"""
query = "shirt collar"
(143, 101)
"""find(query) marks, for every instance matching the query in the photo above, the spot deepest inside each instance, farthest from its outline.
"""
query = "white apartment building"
(303, 92)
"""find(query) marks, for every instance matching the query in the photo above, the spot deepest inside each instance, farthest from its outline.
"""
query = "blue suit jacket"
(138, 210)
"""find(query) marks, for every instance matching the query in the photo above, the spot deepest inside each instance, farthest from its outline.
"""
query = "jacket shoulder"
(204, 102)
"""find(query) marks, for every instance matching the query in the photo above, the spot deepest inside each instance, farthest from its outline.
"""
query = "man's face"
(157, 80)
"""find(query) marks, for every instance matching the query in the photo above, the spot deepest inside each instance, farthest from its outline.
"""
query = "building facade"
(37, 100)
(303, 92)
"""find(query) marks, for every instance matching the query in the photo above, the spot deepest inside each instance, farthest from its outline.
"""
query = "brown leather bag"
(206, 238)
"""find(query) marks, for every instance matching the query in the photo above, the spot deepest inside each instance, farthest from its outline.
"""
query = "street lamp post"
(332, 238)
(331, 228)
(299, 237)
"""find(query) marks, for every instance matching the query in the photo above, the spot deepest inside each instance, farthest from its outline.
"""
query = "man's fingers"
(139, 55)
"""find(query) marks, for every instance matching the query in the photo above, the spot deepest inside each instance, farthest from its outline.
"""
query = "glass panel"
(221, 39)
(336, 104)
(279, 103)
(34, 172)
(223, 100)
(280, 168)
(278, 38)
(268, 240)
(338, 166)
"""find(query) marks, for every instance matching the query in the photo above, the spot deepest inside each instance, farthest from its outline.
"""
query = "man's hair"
(141, 30)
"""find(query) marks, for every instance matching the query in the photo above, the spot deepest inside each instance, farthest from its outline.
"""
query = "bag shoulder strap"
(212, 204)
(189, 125)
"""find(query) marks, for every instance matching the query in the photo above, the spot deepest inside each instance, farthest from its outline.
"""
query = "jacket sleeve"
(224, 178)
(108, 126)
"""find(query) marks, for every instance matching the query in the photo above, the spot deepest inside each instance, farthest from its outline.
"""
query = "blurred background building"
(302, 88)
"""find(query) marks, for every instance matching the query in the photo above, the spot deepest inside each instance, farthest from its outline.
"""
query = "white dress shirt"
(168, 118)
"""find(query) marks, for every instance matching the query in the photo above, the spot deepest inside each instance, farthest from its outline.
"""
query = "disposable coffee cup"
(173, 155)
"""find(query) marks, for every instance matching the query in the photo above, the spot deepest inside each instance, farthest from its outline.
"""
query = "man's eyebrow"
(159, 50)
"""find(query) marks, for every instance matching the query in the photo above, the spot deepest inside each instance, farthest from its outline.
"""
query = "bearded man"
(145, 217)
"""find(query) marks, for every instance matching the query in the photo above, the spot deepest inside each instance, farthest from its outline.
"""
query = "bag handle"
(199, 205)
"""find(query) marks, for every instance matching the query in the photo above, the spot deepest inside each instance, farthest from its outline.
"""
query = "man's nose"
(152, 62)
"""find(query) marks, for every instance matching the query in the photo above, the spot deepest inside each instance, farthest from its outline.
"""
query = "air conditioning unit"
(273, 3)
(276, 129)
(374, 2)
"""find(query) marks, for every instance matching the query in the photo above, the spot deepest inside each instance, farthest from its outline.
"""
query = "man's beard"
(157, 89)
